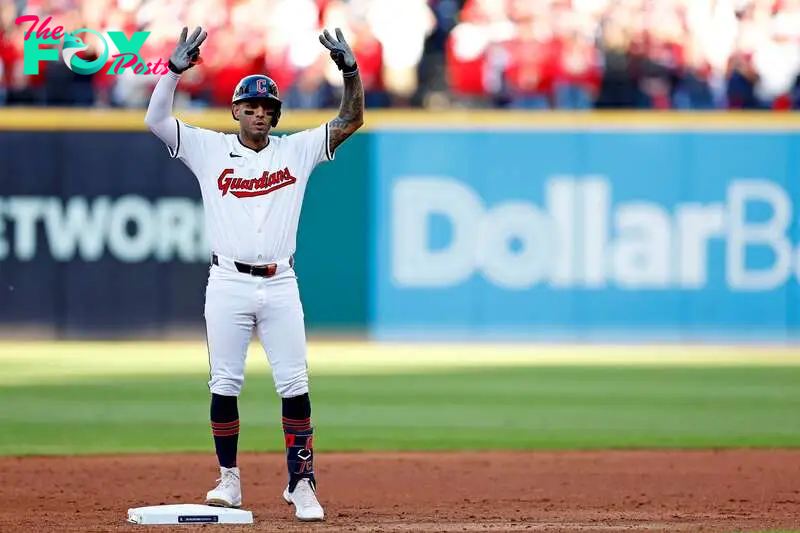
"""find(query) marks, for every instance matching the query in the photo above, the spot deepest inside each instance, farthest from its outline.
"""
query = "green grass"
(65, 400)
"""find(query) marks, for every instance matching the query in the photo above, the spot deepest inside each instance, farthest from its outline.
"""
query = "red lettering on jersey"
(224, 182)
(247, 188)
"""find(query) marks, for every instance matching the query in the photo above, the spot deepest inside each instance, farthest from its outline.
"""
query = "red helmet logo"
(261, 85)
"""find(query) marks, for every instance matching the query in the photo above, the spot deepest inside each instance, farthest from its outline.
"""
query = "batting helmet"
(259, 87)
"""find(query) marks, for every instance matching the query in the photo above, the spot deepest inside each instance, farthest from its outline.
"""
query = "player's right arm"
(159, 118)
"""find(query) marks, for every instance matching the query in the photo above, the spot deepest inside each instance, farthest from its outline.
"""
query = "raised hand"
(341, 53)
(187, 50)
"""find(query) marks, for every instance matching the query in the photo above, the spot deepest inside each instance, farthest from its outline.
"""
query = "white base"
(188, 514)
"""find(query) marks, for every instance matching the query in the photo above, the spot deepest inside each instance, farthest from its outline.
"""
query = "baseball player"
(252, 185)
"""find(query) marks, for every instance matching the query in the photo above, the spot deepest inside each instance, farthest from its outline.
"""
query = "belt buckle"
(253, 270)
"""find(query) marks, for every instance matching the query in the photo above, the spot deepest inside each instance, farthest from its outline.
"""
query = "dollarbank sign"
(51, 38)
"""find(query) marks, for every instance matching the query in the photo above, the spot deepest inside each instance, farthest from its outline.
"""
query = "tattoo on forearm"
(351, 112)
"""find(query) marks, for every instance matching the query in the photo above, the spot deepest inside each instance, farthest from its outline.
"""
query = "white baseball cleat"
(304, 498)
(228, 493)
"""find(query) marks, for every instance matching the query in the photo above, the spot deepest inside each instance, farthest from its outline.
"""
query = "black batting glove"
(187, 50)
(341, 53)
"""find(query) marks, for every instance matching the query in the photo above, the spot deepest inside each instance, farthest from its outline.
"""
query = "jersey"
(252, 199)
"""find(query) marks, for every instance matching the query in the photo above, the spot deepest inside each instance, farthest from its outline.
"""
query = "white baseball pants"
(236, 304)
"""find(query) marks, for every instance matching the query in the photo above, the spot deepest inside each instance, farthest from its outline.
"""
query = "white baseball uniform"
(252, 202)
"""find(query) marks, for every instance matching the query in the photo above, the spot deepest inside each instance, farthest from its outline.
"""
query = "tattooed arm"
(351, 110)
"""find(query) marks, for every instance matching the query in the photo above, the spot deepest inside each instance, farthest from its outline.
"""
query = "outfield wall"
(559, 227)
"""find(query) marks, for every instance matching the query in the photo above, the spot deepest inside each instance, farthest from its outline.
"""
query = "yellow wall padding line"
(81, 119)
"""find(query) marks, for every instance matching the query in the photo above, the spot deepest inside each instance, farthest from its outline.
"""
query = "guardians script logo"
(247, 188)
(72, 44)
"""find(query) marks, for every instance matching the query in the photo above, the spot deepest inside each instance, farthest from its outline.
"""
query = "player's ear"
(235, 111)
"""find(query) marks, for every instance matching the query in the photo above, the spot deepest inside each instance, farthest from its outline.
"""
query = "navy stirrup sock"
(299, 438)
(225, 428)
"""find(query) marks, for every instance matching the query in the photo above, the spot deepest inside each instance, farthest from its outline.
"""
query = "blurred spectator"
(401, 30)
(619, 86)
(577, 75)
(533, 54)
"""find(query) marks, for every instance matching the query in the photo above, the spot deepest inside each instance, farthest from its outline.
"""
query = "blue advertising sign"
(586, 235)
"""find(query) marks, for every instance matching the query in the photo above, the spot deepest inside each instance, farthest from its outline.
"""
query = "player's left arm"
(351, 109)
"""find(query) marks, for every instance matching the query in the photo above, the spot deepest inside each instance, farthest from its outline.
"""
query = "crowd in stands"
(531, 54)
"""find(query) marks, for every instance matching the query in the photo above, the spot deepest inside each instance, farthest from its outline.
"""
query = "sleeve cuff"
(330, 154)
(174, 153)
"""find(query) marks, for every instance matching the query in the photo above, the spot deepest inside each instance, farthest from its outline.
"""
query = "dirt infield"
(515, 491)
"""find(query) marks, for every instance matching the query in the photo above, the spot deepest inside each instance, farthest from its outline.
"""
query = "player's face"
(255, 117)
